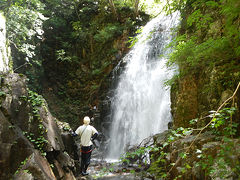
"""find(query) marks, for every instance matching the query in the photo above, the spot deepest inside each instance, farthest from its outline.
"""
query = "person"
(87, 134)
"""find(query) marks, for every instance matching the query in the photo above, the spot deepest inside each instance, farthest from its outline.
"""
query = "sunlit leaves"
(24, 24)
(221, 122)
(61, 56)
(199, 19)
(211, 34)
(134, 40)
(108, 32)
(212, 4)
(175, 5)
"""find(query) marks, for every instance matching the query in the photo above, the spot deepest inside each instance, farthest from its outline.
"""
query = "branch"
(26, 63)
(75, 7)
(114, 11)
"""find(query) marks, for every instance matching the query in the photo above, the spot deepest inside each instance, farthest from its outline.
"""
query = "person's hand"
(94, 136)
(73, 134)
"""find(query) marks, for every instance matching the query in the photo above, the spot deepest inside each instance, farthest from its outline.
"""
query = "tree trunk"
(136, 8)
(113, 8)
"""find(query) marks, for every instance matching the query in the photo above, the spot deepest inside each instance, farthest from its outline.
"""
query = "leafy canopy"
(208, 36)
(24, 24)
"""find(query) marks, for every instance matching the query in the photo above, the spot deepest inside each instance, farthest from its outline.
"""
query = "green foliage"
(105, 171)
(35, 99)
(108, 33)
(190, 54)
(159, 166)
(159, 163)
(175, 5)
(2, 94)
(220, 164)
(209, 35)
(21, 164)
(39, 141)
(159, 154)
(231, 10)
(61, 56)
(199, 20)
(24, 25)
(134, 40)
(222, 123)
(136, 156)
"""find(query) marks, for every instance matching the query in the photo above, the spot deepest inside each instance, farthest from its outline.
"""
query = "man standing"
(87, 133)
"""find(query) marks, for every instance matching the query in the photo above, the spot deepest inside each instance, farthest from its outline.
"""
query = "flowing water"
(140, 106)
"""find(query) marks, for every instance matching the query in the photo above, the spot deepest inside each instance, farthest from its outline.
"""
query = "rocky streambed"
(102, 170)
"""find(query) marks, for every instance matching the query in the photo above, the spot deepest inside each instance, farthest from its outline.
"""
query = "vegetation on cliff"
(206, 51)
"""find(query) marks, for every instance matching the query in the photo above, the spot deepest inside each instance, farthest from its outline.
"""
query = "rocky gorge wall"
(209, 67)
(31, 143)
(193, 96)
(4, 49)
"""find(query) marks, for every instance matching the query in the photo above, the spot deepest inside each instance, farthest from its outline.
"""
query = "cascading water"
(141, 104)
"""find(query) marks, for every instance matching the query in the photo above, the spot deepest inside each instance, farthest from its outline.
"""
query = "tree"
(136, 7)
(113, 8)
(24, 24)
(133, 3)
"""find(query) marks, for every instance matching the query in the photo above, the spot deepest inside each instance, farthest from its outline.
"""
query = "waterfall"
(140, 106)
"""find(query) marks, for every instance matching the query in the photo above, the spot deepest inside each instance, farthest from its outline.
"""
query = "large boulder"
(14, 148)
(24, 111)
(28, 132)
(35, 166)
(197, 157)
(53, 135)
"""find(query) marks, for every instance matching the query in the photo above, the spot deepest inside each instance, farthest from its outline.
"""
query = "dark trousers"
(86, 152)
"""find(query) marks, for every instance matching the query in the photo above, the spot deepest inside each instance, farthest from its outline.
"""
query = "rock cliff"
(31, 144)
(4, 50)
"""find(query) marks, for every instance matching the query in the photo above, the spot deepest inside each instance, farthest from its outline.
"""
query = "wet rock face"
(193, 96)
(36, 166)
(27, 132)
(14, 147)
(53, 135)
(184, 101)
(4, 60)
(15, 108)
(19, 110)
(70, 145)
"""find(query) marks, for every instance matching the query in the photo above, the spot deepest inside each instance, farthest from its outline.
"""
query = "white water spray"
(141, 104)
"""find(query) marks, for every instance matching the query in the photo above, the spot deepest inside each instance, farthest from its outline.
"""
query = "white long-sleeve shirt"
(86, 132)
